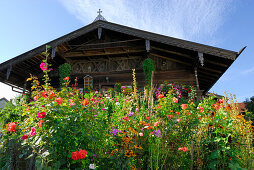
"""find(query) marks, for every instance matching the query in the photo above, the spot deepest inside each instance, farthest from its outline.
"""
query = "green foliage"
(64, 71)
(148, 67)
(117, 87)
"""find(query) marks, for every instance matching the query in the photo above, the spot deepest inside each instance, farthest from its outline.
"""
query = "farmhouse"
(104, 53)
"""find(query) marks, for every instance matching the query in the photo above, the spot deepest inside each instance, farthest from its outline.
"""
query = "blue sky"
(227, 24)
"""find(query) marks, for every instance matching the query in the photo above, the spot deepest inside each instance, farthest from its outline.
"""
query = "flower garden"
(123, 128)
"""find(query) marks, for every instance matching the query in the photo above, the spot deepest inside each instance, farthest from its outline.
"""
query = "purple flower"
(115, 131)
(130, 113)
(157, 133)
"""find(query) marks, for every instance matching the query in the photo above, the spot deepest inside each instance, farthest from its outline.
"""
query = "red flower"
(147, 118)
(126, 118)
(52, 95)
(42, 115)
(159, 106)
(178, 113)
(35, 98)
(12, 126)
(220, 100)
(66, 78)
(175, 100)
(92, 99)
(75, 155)
(184, 106)
(188, 113)
(178, 120)
(43, 66)
(160, 96)
(82, 154)
(184, 149)
(201, 108)
(33, 131)
(85, 102)
(59, 100)
(24, 137)
(169, 116)
(40, 123)
(157, 123)
(44, 94)
(216, 106)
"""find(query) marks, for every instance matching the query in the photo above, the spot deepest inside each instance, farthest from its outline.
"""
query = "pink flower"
(95, 115)
(201, 108)
(71, 102)
(220, 100)
(35, 98)
(178, 120)
(140, 134)
(43, 66)
(175, 100)
(24, 137)
(184, 149)
(33, 131)
(217, 107)
(42, 115)
(178, 113)
(184, 106)
(12, 126)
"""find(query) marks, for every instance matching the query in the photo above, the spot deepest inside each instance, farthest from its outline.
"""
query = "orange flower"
(85, 102)
(138, 147)
(159, 106)
(40, 123)
(129, 153)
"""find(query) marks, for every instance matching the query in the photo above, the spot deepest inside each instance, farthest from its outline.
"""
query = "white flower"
(146, 127)
(117, 103)
(91, 166)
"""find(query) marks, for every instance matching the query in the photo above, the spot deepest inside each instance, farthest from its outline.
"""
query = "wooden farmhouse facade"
(104, 53)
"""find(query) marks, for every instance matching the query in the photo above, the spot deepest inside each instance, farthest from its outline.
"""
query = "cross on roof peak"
(99, 12)
(99, 17)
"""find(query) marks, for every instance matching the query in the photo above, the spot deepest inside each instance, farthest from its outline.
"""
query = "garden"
(157, 128)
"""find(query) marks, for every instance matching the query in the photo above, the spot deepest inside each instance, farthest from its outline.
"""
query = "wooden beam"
(104, 53)
(171, 59)
(209, 69)
(196, 77)
(172, 52)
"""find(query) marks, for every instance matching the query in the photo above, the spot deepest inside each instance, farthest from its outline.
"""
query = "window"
(88, 81)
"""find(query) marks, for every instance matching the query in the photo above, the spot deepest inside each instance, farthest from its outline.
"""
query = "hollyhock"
(85, 102)
(184, 106)
(40, 123)
(59, 100)
(42, 115)
(43, 66)
(175, 100)
(33, 131)
(24, 137)
(12, 126)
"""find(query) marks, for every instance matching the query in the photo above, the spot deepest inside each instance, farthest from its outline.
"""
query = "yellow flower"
(138, 147)
(129, 153)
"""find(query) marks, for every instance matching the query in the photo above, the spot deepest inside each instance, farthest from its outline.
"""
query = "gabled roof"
(232, 55)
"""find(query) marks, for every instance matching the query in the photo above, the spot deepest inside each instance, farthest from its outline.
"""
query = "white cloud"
(6, 91)
(195, 20)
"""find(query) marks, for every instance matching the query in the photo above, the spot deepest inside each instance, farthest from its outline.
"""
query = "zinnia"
(175, 100)
(43, 66)
(59, 100)
(12, 126)
(42, 115)
(82, 154)
(24, 137)
(75, 155)
(66, 78)
(184, 106)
